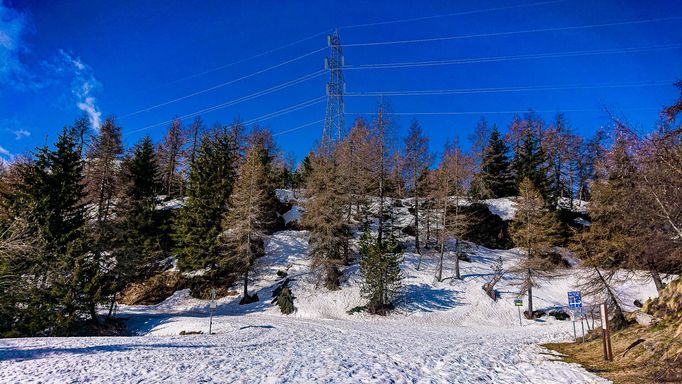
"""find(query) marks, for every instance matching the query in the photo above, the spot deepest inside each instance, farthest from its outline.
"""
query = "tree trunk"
(246, 284)
(530, 295)
(618, 320)
(93, 313)
(657, 279)
(457, 274)
(416, 223)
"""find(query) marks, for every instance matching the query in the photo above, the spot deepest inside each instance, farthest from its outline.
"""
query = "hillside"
(448, 331)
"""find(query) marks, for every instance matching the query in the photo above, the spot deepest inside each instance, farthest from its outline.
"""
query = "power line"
(251, 57)
(507, 33)
(430, 63)
(461, 13)
(286, 110)
(238, 100)
(223, 84)
(297, 128)
(503, 89)
(498, 112)
(267, 116)
(322, 33)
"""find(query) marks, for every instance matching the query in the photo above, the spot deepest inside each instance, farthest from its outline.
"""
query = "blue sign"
(575, 300)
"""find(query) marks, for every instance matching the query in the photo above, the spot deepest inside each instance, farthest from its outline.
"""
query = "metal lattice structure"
(334, 116)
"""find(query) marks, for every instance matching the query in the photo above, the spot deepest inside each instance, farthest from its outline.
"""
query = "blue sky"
(59, 59)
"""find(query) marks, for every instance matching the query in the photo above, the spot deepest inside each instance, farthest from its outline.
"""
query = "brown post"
(606, 332)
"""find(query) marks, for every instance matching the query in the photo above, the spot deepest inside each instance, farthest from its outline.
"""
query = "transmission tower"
(333, 119)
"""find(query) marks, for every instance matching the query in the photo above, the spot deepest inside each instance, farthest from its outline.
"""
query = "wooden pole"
(606, 332)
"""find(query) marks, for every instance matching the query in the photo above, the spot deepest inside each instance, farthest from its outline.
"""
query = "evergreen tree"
(529, 162)
(210, 184)
(140, 229)
(54, 193)
(244, 225)
(380, 269)
(496, 173)
(536, 230)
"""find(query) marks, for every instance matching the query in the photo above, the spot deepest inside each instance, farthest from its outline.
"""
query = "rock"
(638, 304)
(644, 319)
(559, 315)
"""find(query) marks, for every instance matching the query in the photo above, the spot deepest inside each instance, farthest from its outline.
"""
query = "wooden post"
(606, 332)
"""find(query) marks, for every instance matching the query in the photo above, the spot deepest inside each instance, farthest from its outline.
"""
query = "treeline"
(631, 181)
(84, 218)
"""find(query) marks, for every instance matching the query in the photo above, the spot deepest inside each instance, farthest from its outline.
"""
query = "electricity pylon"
(333, 119)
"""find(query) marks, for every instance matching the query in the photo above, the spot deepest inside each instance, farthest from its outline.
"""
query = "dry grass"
(655, 360)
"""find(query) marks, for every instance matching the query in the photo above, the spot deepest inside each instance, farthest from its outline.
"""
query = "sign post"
(575, 303)
(212, 308)
(519, 303)
(606, 332)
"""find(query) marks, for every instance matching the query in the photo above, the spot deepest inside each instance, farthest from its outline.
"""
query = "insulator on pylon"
(329, 40)
(326, 63)
(343, 61)
(344, 87)
(327, 89)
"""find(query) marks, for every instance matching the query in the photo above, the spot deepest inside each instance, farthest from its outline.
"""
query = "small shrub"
(283, 297)
(358, 309)
(186, 333)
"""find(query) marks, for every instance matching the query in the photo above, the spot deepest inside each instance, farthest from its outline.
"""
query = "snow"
(504, 207)
(447, 331)
(285, 195)
(294, 214)
(170, 204)
(579, 206)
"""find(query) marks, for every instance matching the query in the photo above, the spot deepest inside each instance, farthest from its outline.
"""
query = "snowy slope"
(440, 332)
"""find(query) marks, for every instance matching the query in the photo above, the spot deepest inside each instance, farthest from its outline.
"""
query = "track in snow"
(266, 348)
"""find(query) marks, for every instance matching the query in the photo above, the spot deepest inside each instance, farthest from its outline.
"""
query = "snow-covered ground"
(447, 331)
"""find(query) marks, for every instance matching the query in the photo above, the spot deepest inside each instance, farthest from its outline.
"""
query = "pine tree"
(536, 230)
(210, 184)
(380, 269)
(245, 224)
(529, 162)
(140, 228)
(496, 173)
(54, 192)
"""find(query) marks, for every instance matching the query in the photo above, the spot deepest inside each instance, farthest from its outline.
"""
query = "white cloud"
(5, 152)
(15, 127)
(16, 74)
(21, 133)
(14, 26)
(83, 86)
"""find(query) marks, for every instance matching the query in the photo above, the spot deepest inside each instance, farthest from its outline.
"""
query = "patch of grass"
(644, 363)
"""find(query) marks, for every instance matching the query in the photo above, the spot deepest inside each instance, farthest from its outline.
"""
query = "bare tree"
(452, 175)
(247, 219)
(416, 161)
(535, 229)
(170, 159)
